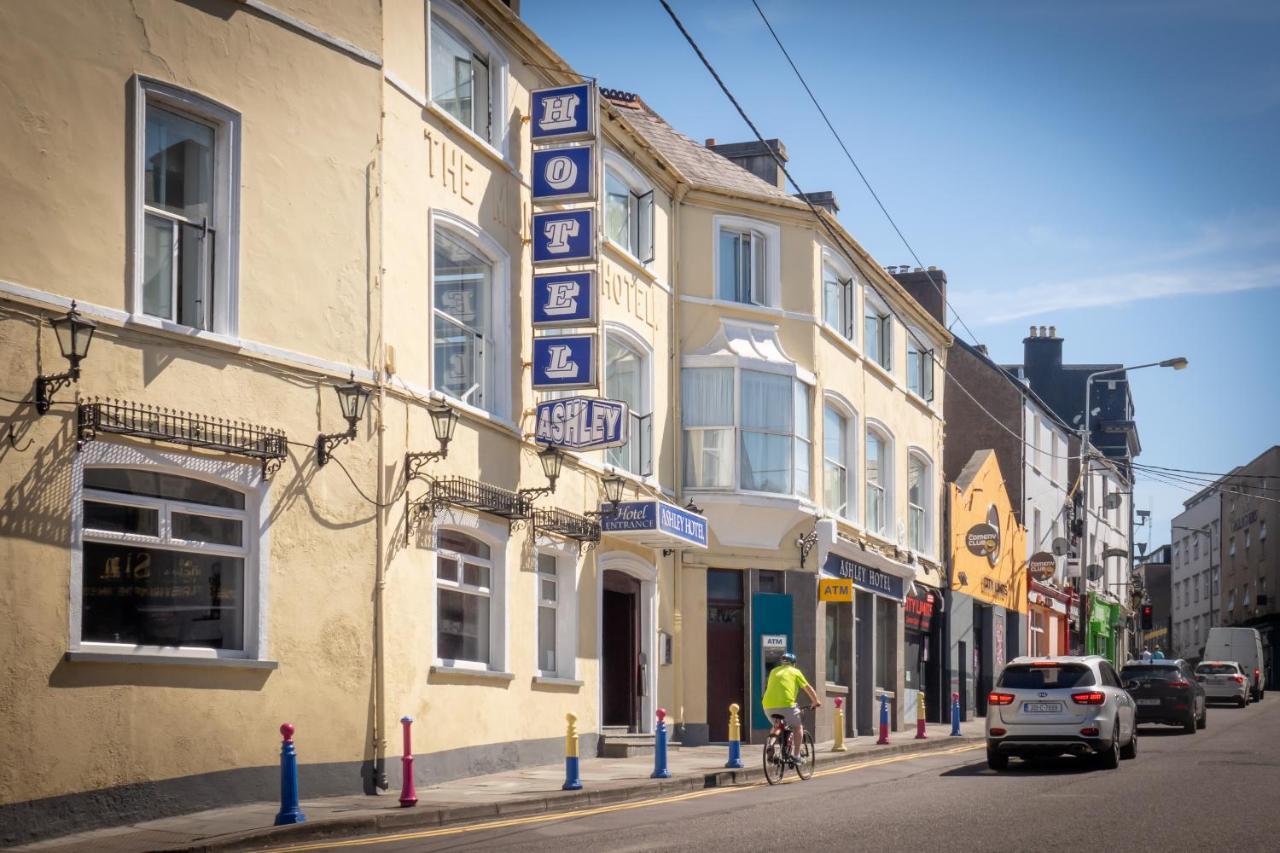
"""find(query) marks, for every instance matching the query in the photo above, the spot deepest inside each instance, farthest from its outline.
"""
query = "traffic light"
(1146, 617)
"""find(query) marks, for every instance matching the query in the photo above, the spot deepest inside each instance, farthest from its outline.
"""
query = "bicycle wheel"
(808, 757)
(773, 766)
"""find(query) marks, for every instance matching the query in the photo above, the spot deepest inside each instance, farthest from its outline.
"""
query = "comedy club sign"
(866, 578)
(565, 165)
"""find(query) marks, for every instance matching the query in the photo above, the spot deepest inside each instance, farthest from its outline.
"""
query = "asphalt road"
(1217, 789)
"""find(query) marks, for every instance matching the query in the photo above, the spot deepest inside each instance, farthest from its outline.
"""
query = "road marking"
(599, 810)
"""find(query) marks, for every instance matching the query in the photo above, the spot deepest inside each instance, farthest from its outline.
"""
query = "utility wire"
(861, 174)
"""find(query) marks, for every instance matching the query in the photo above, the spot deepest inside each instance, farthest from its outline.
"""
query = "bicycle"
(777, 744)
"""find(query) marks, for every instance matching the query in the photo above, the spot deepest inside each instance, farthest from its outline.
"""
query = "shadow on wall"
(37, 507)
(68, 674)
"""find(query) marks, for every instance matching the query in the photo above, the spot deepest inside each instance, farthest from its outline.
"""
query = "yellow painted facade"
(980, 500)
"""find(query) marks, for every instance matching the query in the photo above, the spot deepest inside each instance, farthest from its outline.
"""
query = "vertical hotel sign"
(565, 168)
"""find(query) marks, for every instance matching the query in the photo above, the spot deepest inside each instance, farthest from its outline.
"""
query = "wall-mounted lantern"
(551, 459)
(443, 422)
(74, 334)
(612, 488)
(353, 398)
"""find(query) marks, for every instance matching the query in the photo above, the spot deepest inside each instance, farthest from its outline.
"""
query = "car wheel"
(1130, 749)
(1241, 702)
(1189, 727)
(997, 760)
(1204, 718)
(1110, 759)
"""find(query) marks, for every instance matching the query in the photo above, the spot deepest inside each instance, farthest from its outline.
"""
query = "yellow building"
(988, 600)
(259, 204)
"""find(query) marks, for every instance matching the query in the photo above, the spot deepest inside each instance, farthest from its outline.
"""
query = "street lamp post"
(1177, 364)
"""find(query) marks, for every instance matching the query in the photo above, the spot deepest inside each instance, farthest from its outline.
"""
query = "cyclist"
(785, 683)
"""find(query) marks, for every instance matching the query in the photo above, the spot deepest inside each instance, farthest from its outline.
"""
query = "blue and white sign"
(866, 578)
(564, 299)
(564, 236)
(582, 423)
(564, 362)
(564, 174)
(563, 112)
(656, 522)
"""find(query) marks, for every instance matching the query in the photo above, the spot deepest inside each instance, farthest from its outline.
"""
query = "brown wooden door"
(620, 659)
(726, 641)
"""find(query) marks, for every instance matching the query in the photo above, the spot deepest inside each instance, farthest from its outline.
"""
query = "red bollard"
(884, 720)
(920, 735)
(408, 796)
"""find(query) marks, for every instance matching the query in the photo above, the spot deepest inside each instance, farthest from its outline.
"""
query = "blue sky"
(1110, 167)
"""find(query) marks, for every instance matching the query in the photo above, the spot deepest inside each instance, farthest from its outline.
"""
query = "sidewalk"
(516, 792)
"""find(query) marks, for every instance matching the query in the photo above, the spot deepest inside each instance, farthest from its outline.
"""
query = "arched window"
(628, 208)
(626, 378)
(920, 503)
(839, 460)
(879, 480)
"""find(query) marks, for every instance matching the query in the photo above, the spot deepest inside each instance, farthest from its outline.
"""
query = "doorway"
(981, 656)
(621, 668)
(726, 639)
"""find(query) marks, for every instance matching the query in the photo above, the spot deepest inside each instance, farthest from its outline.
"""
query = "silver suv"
(1052, 706)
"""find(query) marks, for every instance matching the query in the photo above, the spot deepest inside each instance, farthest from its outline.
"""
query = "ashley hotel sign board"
(565, 168)
(865, 577)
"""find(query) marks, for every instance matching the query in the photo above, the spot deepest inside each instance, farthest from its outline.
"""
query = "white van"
(1244, 646)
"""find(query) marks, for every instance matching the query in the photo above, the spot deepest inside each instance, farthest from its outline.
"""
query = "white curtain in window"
(835, 464)
(767, 413)
(804, 438)
(876, 481)
(707, 411)
(917, 492)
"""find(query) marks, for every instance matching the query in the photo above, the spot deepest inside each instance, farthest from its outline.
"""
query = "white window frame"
(927, 545)
(887, 467)
(640, 421)
(645, 212)
(874, 302)
(470, 30)
(226, 122)
(772, 272)
(566, 578)
(495, 536)
(847, 278)
(242, 477)
(498, 352)
(852, 434)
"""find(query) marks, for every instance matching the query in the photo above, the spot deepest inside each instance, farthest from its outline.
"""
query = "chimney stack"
(825, 199)
(929, 288)
(1042, 358)
(756, 158)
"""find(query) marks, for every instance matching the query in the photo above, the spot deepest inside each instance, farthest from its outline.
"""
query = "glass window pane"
(708, 458)
(547, 590)
(766, 462)
(622, 373)
(461, 282)
(204, 528)
(195, 272)
(121, 519)
(724, 585)
(447, 569)
(463, 621)
(802, 452)
(547, 564)
(914, 383)
(617, 210)
(456, 79)
(916, 482)
(730, 272)
(457, 362)
(835, 489)
(157, 597)
(461, 543)
(707, 396)
(834, 437)
(832, 299)
(875, 452)
(157, 485)
(802, 410)
(757, 272)
(766, 401)
(481, 117)
(157, 266)
(547, 639)
(474, 575)
(179, 164)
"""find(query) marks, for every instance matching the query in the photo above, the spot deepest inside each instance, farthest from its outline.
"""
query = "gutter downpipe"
(677, 440)
(380, 568)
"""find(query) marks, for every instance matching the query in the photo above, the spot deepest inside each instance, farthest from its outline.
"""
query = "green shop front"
(1105, 620)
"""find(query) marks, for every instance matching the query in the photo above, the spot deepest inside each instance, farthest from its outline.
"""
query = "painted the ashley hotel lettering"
(792, 422)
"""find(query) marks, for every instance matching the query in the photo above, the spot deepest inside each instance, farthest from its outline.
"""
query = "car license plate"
(1042, 707)
(1148, 701)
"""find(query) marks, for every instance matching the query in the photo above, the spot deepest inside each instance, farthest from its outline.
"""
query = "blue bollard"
(572, 779)
(289, 811)
(955, 715)
(884, 720)
(660, 770)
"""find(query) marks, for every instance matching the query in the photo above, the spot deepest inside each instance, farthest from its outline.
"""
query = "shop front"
(920, 670)
(1047, 612)
(1104, 627)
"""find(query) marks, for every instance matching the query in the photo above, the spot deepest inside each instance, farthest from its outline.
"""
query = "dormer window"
(748, 269)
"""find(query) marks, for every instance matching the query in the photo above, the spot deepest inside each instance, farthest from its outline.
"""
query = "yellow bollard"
(920, 726)
(735, 737)
(572, 778)
(839, 744)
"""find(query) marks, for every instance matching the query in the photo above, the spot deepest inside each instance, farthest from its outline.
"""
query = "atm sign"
(835, 589)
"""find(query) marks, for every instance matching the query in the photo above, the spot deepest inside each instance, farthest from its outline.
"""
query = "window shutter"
(847, 321)
(644, 227)
(926, 365)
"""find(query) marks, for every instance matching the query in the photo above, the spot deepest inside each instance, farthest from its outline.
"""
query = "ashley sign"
(582, 423)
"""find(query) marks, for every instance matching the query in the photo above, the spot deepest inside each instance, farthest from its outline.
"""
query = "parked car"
(1043, 707)
(1166, 691)
(1223, 679)
(1244, 646)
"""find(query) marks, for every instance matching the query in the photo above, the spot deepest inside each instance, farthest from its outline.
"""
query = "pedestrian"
(1146, 655)
(1159, 655)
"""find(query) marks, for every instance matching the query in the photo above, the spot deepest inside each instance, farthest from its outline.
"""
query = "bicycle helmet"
(787, 657)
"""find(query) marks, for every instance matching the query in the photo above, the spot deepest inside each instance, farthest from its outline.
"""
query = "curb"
(566, 801)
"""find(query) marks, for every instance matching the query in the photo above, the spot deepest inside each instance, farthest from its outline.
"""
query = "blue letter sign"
(564, 362)
(564, 299)
(564, 236)
(564, 174)
(563, 112)
(582, 423)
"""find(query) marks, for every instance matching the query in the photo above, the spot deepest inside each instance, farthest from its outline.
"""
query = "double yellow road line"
(617, 807)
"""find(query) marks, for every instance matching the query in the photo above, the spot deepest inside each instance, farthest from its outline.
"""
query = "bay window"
(187, 191)
(760, 418)
(628, 211)
(464, 592)
(879, 464)
(877, 331)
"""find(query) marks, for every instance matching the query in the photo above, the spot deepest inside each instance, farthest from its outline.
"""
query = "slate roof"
(696, 163)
